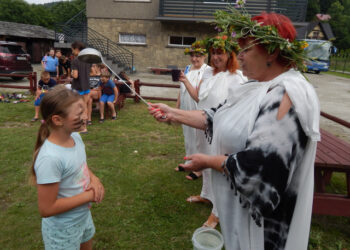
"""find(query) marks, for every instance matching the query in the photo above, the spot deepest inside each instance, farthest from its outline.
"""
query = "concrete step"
(112, 65)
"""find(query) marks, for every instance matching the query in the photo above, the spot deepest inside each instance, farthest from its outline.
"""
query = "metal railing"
(294, 9)
(76, 29)
(340, 63)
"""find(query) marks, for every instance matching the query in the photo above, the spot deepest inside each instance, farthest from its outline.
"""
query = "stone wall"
(156, 52)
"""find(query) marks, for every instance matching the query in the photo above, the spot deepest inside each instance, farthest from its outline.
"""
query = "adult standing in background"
(188, 95)
(80, 74)
(218, 83)
(50, 63)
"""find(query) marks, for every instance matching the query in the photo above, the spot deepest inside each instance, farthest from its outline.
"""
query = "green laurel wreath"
(238, 24)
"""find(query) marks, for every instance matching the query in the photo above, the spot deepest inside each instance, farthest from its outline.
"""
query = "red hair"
(232, 62)
(284, 27)
(282, 23)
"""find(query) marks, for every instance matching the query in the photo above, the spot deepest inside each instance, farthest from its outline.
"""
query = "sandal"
(34, 119)
(197, 199)
(179, 169)
(114, 117)
(101, 120)
(212, 221)
(89, 123)
(192, 176)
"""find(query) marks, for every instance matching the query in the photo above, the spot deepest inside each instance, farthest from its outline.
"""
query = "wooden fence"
(32, 77)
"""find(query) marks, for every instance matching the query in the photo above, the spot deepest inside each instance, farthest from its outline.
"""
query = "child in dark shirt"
(44, 85)
(95, 92)
(109, 95)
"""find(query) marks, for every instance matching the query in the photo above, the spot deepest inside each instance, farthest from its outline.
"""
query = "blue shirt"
(66, 166)
(50, 63)
(108, 88)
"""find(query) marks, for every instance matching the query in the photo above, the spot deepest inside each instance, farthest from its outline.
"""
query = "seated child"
(109, 95)
(95, 92)
(123, 89)
(45, 84)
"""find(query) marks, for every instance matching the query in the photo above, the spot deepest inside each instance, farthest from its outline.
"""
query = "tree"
(313, 8)
(340, 13)
(47, 16)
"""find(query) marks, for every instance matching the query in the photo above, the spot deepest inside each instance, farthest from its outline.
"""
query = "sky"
(42, 1)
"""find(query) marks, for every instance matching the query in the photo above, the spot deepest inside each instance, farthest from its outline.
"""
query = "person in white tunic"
(264, 139)
(218, 82)
(188, 95)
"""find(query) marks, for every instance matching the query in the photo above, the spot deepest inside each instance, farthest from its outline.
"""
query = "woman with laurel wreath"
(188, 96)
(264, 138)
(218, 81)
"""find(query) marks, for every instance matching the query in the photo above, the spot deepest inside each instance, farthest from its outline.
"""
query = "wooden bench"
(333, 155)
(158, 71)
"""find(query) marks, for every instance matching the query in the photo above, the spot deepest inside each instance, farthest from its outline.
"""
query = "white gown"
(187, 103)
(233, 123)
(214, 90)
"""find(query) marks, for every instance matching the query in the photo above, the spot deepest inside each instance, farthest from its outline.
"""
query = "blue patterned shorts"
(68, 238)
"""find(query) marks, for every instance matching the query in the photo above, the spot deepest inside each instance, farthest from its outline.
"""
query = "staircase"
(76, 29)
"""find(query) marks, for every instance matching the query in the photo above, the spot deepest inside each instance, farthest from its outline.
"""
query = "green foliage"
(47, 16)
(313, 8)
(340, 13)
(340, 18)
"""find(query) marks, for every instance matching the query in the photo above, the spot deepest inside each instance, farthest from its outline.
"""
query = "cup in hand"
(175, 74)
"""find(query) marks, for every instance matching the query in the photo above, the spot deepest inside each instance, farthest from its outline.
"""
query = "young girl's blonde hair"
(55, 102)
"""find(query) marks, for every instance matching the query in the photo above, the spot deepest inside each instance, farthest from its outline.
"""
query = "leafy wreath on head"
(238, 24)
(223, 42)
(198, 47)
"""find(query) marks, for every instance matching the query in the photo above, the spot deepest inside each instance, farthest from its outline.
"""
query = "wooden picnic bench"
(333, 155)
(158, 71)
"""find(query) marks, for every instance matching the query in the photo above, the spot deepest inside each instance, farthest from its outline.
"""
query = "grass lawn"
(144, 206)
(337, 74)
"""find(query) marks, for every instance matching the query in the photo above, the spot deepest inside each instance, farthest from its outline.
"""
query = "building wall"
(131, 9)
(156, 52)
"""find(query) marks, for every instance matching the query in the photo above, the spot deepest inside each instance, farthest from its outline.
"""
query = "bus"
(319, 52)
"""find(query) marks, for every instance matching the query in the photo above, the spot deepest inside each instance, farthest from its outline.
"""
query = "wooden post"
(31, 83)
(137, 90)
(348, 183)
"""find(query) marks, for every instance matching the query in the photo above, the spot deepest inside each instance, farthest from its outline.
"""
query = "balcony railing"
(204, 9)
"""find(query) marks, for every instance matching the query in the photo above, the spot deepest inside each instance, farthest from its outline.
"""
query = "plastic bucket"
(205, 238)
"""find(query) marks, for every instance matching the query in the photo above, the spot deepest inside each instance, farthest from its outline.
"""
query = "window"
(182, 41)
(315, 34)
(11, 49)
(132, 39)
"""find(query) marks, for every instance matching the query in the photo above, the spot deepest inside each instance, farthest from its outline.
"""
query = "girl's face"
(219, 59)
(52, 53)
(75, 120)
(253, 61)
(197, 60)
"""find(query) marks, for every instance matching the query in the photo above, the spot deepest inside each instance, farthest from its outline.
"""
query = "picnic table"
(158, 71)
(333, 155)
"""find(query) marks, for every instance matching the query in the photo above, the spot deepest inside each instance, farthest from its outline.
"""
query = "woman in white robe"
(264, 141)
(217, 83)
(188, 95)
